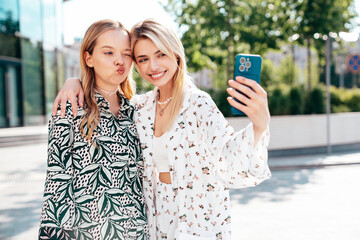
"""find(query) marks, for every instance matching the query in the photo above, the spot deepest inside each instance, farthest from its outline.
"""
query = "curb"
(310, 166)
(22, 140)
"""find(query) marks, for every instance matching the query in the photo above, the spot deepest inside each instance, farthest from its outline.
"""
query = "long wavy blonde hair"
(169, 43)
(91, 118)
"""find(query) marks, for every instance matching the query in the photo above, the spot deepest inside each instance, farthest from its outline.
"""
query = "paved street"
(313, 204)
(297, 203)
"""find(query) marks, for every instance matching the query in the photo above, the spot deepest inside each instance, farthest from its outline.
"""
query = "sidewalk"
(23, 135)
(306, 201)
(314, 161)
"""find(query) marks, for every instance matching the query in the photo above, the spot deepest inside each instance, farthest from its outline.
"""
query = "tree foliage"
(215, 31)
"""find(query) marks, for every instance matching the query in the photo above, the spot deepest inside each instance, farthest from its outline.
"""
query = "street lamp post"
(328, 109)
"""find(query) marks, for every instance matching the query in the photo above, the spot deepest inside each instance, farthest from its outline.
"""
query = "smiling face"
(111, 59)
(153, 65)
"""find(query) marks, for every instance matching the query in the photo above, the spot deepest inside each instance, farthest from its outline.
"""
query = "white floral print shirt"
(206, 157)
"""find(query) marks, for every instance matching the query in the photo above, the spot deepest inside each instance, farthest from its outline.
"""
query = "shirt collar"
(103, 104)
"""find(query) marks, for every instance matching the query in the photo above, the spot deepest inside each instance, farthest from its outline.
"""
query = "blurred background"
(40, 41)
(311, 71)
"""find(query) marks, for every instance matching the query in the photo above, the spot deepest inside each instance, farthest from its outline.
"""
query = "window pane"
(9, 24)
(30, 19)
(32, 81)
(9, 16)
(10, 45)
(2, 97)
(50, 78)
(49, 20)
(13, 96)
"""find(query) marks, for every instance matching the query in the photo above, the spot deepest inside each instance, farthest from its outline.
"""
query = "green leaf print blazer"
(94, 191)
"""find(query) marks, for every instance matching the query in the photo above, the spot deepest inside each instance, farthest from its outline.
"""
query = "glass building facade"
(31, 62)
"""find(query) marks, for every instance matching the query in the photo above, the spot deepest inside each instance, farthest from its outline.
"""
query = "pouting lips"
(121, 70)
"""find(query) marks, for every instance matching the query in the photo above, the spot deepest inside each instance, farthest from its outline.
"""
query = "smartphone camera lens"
(242, 60)
(242, 68)
(248, 64)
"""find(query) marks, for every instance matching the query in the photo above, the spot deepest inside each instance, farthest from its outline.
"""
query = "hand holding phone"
(247, 96)
(248, 66)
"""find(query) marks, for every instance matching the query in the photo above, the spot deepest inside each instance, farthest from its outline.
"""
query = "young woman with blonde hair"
(93, 188)
(191, 154)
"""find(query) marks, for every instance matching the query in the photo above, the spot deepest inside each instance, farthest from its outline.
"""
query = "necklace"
(163, 103)
(166, 103)
(108, 93)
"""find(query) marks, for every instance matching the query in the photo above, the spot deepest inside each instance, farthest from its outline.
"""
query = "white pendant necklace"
(166, 103)
(163, 103)
(108, 93)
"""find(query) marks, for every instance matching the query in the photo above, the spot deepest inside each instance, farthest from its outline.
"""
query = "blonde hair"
(92, 114)
(169, 43)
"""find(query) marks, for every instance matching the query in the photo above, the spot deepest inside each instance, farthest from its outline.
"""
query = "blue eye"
(108, 53)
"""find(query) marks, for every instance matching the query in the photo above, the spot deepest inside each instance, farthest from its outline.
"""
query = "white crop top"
(160, 154)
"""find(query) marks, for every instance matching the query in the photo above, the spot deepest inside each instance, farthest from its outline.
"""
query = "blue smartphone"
(248, 66)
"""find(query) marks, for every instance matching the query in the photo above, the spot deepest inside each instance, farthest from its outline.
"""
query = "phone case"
(249, 66)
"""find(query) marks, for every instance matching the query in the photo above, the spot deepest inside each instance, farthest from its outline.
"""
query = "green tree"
(215, 31)
(310, 17)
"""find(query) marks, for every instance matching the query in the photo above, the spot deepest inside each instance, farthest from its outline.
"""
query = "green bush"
(293, 100)
(317, 101)
(352, 100)
(267, 73)
(344, 100)
(337, 105)
(296, 100)
(278, 101)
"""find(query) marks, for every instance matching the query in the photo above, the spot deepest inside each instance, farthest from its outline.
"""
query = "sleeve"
(234, 158)
(136, 100)
(139, 156)
(58, 204)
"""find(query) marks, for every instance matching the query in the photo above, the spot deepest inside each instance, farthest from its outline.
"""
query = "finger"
(242, 88)
(74, 106)
(81, 98)
(237, 105)
(63, 106)
(55, 106)
(251, 83)
(240, 97)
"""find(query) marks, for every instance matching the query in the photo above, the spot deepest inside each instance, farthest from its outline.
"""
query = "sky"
(80, 14)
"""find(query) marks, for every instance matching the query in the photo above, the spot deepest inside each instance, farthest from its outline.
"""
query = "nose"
(119, 60)
(154, 64)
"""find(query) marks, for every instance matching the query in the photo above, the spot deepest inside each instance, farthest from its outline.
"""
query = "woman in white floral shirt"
(192, 155)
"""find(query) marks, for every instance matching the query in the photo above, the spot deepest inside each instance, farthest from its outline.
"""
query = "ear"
(177, 59)
(88, 59)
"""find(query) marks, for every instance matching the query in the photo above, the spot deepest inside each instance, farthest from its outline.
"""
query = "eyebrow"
(141, 56)
(128, 49)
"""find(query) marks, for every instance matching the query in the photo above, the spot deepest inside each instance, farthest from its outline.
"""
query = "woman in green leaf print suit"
(93, 187)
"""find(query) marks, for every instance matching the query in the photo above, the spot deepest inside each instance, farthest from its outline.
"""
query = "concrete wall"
(309, 131)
